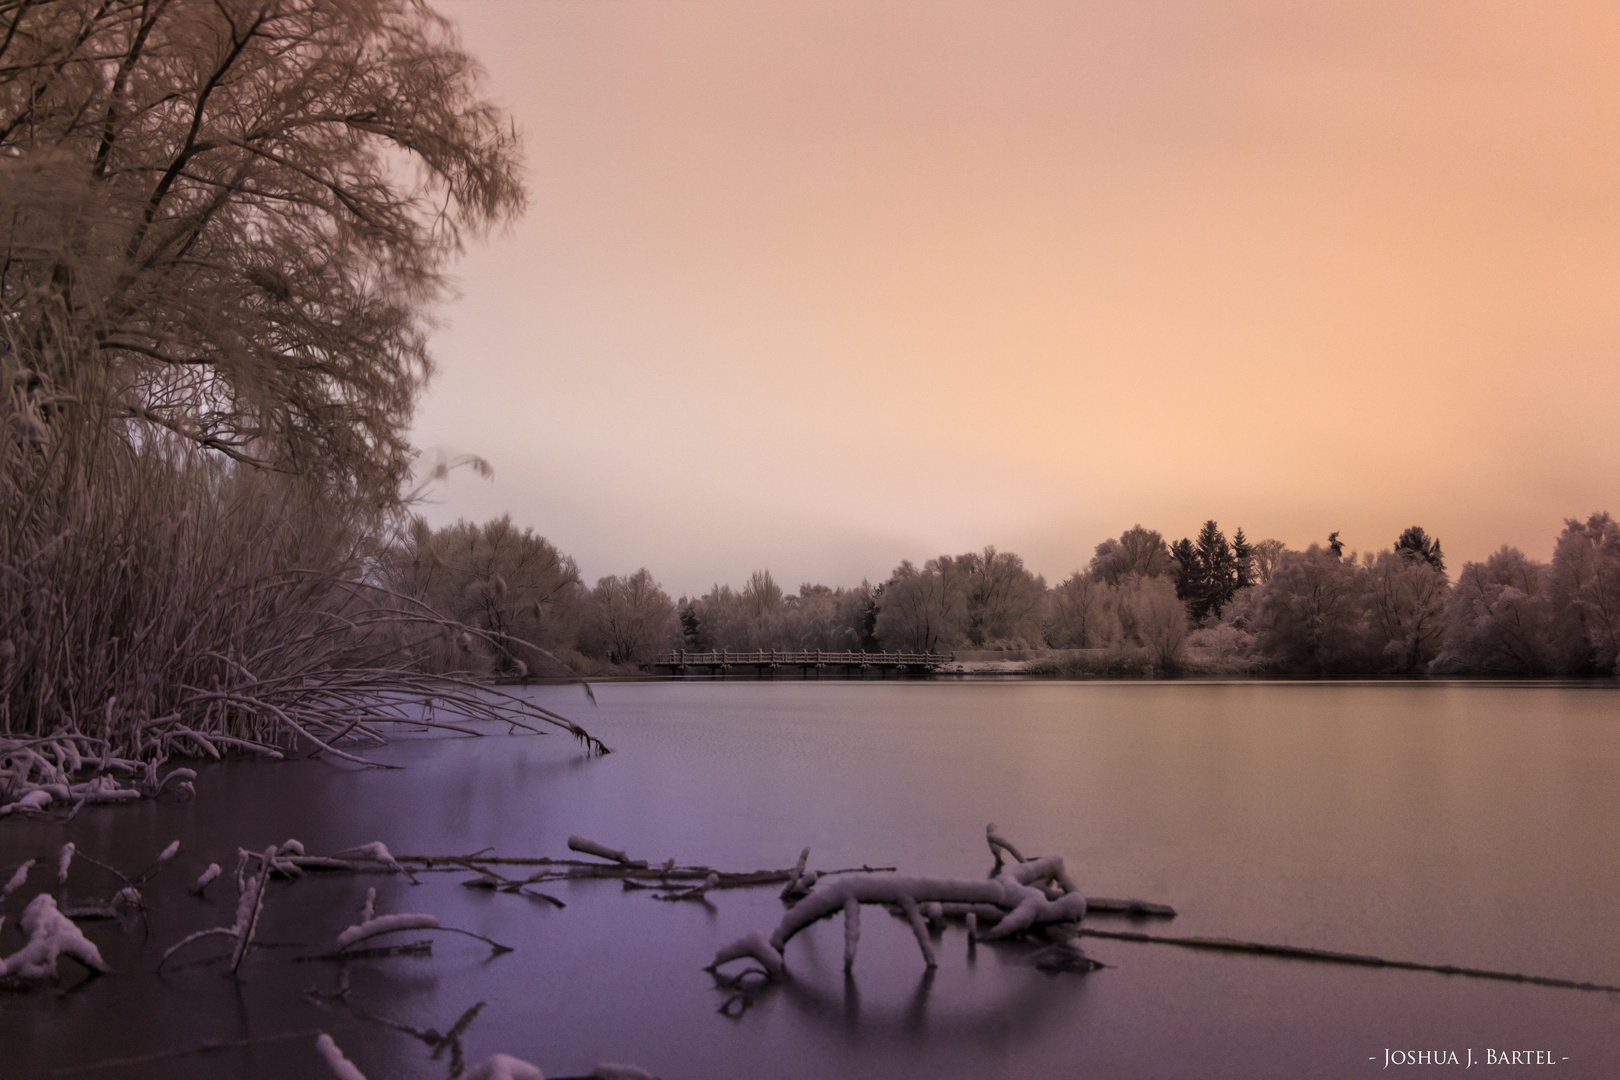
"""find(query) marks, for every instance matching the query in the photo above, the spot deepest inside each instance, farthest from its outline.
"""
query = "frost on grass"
(50, 935)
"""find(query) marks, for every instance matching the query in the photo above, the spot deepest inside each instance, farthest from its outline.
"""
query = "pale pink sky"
(822, 286)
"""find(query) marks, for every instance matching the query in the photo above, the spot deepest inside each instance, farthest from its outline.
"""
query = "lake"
(1449, 823)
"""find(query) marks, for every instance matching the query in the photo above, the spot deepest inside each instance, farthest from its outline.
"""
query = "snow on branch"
(587, 846)
(50, 935)
(386, 924)
(1029, 895)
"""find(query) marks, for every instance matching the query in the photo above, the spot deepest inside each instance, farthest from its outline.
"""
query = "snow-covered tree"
(1584, 592)
(1498, 620)
(631, 618)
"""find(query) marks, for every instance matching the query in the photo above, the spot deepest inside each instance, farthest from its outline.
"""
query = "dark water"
(1452, 824)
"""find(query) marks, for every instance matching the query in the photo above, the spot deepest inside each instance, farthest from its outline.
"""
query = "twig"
(345, 953)
(414, 948)
(1296, 952)
(209, 1047)
(1134, 908)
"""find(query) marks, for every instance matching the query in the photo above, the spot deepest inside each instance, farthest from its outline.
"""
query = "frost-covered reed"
(161, 600)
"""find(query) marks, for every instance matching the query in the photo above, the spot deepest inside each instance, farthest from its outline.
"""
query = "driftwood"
(1029, 895)
(492, 880)
(633, 873)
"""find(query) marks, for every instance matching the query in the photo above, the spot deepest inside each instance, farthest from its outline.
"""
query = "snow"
(341, 1067)
(852, 930)
(17, 880)
(386, 924)
(376, 851)
(1027, 894)
(50, 935)
(32, 803)
(588, 846)
(205, 877)
(756, 946)
(504, 1067)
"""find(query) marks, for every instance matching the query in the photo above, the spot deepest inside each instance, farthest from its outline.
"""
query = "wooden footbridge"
(805, 663)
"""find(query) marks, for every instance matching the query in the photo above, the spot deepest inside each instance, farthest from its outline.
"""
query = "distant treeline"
(1202, 603)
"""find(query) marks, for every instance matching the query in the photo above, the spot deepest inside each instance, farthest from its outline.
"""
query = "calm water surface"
(1445, 823)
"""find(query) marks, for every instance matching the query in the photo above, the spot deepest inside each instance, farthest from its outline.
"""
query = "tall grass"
(158, 600)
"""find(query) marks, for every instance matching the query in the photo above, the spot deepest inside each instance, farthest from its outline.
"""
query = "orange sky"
(821, 286)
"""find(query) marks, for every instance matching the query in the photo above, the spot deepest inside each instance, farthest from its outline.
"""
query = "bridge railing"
(797, 658)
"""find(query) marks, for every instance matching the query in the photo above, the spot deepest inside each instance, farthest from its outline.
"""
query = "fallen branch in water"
(636, 875)
(249, 907)
(696, 892)
(802, 880)
(209, 1047)
(413, 948)
(393, 924)
(586, 846)
(1030, 895)
(435, 1042)
(1296, 952)
(50, 935)
(491, 881)
(496, 1067)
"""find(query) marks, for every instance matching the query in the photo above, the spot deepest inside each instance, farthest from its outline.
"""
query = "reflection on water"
(1474, 825)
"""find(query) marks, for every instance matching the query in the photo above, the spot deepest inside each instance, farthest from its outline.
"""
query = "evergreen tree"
(1189, 577)
(1206, 571)
(1415, 544)
(1219, 570)
(867, 619)
(1243, 559)
(691, 627)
